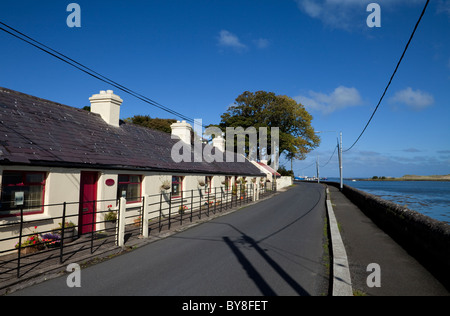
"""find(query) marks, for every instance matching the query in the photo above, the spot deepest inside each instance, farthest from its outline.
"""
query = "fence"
(28, 244)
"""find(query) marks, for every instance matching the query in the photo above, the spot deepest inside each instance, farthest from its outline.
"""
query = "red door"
(88, 197)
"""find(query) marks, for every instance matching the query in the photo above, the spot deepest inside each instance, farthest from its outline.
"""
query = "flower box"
(31, 249)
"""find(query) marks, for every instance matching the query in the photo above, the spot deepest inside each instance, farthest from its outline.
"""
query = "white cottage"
(52, 153)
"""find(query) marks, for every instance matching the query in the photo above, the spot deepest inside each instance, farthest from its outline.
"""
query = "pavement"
(378, 266)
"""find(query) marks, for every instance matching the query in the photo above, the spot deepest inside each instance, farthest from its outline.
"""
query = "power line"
(321, 166)
(335, 148)
(393, 75)
(88, 70)
(307, 167)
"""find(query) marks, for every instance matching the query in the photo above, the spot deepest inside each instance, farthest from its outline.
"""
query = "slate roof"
(34, 131)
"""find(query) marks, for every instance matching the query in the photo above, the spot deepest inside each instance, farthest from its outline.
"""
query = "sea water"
(431, 198)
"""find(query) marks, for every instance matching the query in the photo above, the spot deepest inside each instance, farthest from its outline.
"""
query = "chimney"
(107, 104)
(183, 131)
(219, 143)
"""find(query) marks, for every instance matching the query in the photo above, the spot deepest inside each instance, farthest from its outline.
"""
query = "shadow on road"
(254, 275)
(246, 240)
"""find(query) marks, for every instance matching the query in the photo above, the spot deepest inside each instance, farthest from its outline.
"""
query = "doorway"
(88, 197)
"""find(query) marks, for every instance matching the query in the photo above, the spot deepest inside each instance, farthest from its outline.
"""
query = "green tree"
(266, 109)
(284, 172)
(153, 123)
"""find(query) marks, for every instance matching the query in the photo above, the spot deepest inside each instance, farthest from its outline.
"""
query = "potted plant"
(137, 221)
(51, 240)
(165, 185)
(110, 219)
(32, 244)
(69, 231)
(234, 190)
(182, 209)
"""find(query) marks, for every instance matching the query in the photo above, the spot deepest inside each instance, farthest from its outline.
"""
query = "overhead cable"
(332, 155)
(393, 75)
(20, 35)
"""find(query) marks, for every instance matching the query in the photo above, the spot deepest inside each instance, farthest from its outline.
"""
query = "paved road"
(270, 248)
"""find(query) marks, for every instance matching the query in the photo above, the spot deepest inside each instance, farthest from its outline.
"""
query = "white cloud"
(311, 8)
(412, 150)
(346, 14)
(227, 39)
(443, 6)
(341, 98)
(262, 43)
(335, 13)
(415, 99)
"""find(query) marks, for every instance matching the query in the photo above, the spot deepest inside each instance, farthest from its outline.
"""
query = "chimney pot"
(183, 131)
(107, 105)
(219, 143)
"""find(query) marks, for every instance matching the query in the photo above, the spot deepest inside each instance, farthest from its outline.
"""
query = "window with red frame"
(177, 186)
(129, 187)
(22, 189)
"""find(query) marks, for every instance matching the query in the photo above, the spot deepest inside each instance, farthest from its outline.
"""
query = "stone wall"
(427, 239)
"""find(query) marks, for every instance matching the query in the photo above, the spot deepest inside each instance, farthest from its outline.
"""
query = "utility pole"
(339, 144)
(317, 167)
(340, 163)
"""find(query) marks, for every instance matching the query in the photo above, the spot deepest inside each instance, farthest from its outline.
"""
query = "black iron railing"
(29, 243)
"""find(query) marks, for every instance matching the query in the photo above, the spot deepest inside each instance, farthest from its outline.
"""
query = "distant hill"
(410, 177)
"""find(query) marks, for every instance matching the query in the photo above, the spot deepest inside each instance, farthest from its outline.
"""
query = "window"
(22, 189)
(129, 187)
(177, 186)
(227, 183)
(208, 184)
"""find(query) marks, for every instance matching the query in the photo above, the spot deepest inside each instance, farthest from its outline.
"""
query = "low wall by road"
(284, 182)
(428, 240)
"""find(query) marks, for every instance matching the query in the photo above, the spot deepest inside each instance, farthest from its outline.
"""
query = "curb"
(342, 284)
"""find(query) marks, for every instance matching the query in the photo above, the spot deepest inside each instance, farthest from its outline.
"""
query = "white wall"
(283, 182)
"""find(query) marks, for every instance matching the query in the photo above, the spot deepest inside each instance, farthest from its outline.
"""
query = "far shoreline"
(409, 178)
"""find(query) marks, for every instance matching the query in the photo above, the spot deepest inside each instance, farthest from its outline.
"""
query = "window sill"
(134, 204)
(26, 218)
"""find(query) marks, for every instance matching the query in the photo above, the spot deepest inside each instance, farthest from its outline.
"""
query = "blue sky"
(197, 56)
